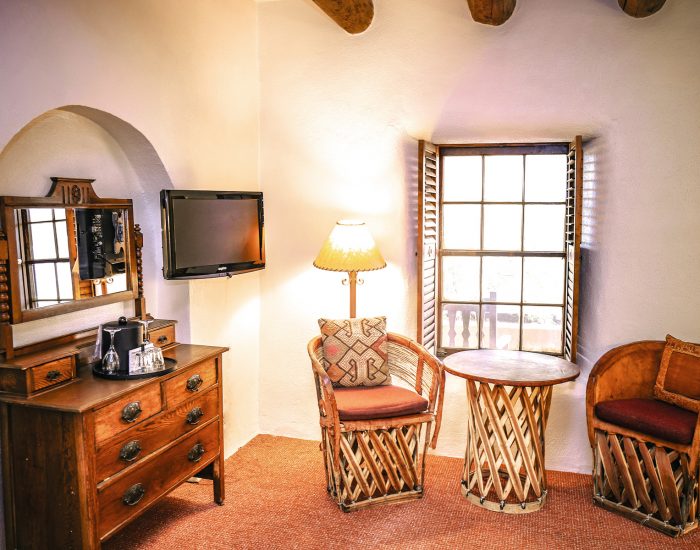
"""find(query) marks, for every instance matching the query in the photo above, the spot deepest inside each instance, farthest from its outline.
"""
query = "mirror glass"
(67, 254)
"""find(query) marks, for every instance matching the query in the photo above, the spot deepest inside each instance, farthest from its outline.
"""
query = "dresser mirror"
(68, 251)
(68, 254)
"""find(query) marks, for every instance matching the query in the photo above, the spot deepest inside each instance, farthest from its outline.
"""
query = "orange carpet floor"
(276, 498)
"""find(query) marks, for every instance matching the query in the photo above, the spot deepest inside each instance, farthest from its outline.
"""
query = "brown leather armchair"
(374, 440)
(645, 451)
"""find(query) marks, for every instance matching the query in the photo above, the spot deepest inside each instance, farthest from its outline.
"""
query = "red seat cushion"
(366, 403)
(649, 416)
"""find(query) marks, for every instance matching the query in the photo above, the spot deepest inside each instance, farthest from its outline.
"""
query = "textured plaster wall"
(339, 118)
(166, 95)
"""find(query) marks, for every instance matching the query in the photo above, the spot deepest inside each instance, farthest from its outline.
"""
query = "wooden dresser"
(83, 458)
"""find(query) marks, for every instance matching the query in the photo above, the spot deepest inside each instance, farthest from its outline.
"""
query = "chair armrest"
(415, 365)
(327, 405)
(624, 372)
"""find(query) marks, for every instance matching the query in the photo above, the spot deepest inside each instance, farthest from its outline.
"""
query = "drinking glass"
(146, 357)
(110, 362)
(158, 360)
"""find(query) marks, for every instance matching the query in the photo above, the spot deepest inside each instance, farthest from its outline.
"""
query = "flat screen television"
(211, 233)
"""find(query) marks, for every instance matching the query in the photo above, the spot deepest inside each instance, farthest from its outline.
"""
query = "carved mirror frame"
(64, 193)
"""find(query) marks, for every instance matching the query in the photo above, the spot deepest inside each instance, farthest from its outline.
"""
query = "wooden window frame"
(430, 252)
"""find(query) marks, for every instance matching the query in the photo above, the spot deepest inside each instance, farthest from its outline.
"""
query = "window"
(500, 268)
(43, 237)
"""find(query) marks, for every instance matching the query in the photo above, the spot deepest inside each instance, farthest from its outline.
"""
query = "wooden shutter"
(428, 235)
(574, 185)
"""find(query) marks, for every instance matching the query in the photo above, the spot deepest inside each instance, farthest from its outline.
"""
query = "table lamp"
(350, 247)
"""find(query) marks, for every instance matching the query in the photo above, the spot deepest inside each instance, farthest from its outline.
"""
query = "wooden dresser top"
(88, 391)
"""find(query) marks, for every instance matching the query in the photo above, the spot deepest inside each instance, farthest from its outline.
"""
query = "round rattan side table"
(508, 398)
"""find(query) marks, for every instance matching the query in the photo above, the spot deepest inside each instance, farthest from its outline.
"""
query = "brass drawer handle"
(162, 339)
(133, 495)
(131, 412)
(196, 453)
(194, 416)
(130, 451)
(194, 382)
(53, 375)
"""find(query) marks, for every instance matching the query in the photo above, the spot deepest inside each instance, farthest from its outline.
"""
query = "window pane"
(501, 279)
(544, 228)
(59, 213)
(62, 238)
(460, 326)
(545, 178)
(542, 329)
(65, 282)
(503, 178)
(500, 327)
(43, 245)
(461, 226)
(45, 281)
(502, 226)
(543, 280)
(39, 214)
(461, 178)
(460, 278)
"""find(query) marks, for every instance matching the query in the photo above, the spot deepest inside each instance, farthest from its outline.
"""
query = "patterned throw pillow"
(355, 351)
(678, 381)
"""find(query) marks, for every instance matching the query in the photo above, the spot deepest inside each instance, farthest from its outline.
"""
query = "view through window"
(502, 247)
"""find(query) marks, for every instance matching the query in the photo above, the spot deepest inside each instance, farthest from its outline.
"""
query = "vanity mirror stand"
(83, 456)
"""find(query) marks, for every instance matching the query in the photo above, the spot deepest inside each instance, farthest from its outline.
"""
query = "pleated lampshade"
(349, 247)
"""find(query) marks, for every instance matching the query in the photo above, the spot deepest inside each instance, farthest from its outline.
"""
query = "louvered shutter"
(574, 181)
(428, 235)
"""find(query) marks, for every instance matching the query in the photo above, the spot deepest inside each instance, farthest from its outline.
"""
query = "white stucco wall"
(339, 118)
(184, 77)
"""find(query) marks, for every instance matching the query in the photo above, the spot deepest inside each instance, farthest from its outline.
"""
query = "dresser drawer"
(135, 444)
(125, 497)
(52, 373)
(29, 374)
(127, 412)
(191, 382)
(162, 337)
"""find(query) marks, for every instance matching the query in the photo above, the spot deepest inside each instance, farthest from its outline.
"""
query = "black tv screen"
(211, 233)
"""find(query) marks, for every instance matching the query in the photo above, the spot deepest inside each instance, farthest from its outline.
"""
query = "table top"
(511, 368)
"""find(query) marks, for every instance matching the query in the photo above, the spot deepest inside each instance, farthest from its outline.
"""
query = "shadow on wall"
(82, 142)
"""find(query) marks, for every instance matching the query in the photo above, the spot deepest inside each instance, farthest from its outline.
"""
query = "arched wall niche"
(83, 142)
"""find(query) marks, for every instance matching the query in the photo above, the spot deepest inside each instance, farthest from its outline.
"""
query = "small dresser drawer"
(121, 499)
(190, 383)
(134, 445)
(127, 412)
(162, 337)
(51, 373)
(32, 373)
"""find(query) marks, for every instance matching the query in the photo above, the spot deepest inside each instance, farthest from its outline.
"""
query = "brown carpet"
(276, 498)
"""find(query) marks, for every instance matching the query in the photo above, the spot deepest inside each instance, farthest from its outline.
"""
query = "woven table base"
(504, 462)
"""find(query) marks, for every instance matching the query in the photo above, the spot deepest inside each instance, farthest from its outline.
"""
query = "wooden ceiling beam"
(491, 12)
(641, 8)
(353, 16)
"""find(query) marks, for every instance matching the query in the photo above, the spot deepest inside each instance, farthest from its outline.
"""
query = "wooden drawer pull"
(162, 339)
(196, 453)
(53, 375)
(133, 495)
(131, 412)
(194, 382)
(194, 416)
(130, 451)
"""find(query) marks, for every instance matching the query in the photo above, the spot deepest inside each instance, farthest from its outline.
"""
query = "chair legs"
(376, 466)
(648, 484)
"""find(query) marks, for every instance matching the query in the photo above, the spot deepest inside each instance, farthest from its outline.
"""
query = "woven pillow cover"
(355, 351)
(678, 381)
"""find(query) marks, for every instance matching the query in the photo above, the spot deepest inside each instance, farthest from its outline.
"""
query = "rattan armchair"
(649, 475)
(380, 460)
